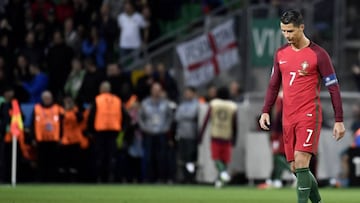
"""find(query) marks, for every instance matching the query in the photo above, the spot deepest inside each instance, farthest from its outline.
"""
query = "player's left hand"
(339, 130)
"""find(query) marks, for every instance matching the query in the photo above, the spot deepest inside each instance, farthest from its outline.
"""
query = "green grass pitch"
(161, 194)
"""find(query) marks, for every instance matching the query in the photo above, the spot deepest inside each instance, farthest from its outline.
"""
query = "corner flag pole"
(16, 128)
(13, 161)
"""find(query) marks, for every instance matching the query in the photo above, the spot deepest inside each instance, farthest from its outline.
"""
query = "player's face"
(292, 34)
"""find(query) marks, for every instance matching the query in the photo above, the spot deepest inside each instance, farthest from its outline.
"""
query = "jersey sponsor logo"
(306, 145)
(303, 188)
(282, 62)
(304, 65)
(330, 80)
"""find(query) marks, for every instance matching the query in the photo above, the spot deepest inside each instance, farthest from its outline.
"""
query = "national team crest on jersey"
(305, 65)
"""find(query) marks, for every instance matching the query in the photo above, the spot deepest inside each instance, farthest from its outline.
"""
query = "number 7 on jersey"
(293, 74)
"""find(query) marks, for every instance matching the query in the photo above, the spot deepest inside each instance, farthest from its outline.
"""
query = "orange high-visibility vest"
(72, 129)
(108, 116)
(47, 123)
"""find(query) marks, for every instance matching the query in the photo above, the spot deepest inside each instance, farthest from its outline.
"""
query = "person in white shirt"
(130, 23)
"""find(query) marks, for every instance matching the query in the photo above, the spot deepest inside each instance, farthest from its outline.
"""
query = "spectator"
(167, 81)
(3, 81)
(2, 6)
(356, 72)
(92, 79)
(107, 118)
(130, 23)
(236, 92)
(356, 117)
(29, 21)
(186, 118)
(95, 46)
(7, 94)
(83, 11)
(45, 30)
(135, 148)
(153, 31)
(108, 30)
(116, 7)
(75, 78)
(15, 14)
(211, 93)
(64, 10)
(40, 10)
(46, 131)
(58, 60)
(6, 50)
(155, 118)
(145, 82)
(345, 175)
(37, 84)
(120, 82)
(21, 70)
(72, 38)
(31, 50)
(21, 74)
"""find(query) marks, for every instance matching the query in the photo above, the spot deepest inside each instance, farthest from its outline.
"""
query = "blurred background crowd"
(55, 56)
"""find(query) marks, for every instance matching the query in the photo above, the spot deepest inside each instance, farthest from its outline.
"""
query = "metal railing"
(170, 39)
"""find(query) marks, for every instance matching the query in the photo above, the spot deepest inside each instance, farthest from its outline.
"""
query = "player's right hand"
(264, 121)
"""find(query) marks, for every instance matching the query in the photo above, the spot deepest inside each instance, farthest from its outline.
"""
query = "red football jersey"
(301, 93)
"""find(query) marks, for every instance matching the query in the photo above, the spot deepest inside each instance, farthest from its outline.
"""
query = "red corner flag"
(16, 125)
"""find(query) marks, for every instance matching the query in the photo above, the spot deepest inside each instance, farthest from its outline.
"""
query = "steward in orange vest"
(71, 140)
(47, 122)
(72, 131)
(106, 119)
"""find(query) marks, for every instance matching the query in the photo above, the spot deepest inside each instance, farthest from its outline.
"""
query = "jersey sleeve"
(328, 76)
(273, 88)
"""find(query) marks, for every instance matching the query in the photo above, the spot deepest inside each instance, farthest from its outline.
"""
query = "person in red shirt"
(299, 67)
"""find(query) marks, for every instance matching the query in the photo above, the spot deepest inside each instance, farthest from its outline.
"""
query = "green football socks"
(307, 187)
(314, 194)
(280, 165)
(304, 182)
(220, 166)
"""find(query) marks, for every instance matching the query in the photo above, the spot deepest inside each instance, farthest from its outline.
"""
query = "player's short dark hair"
(223, 93)
(292, 16)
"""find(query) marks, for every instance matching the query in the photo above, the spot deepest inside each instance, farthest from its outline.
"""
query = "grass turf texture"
(161, 194)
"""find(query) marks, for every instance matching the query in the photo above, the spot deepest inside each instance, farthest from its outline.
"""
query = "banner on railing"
(207, 55)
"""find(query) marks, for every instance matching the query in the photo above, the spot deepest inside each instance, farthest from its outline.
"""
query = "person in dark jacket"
(59, 59)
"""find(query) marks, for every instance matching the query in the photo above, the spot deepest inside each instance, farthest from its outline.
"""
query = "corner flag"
(16, 128)
(16, 124)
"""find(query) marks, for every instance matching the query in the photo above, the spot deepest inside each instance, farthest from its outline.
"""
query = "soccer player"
(223, 129)
(299, 66)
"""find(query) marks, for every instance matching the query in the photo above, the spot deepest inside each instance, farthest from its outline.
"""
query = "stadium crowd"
(57, 58)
